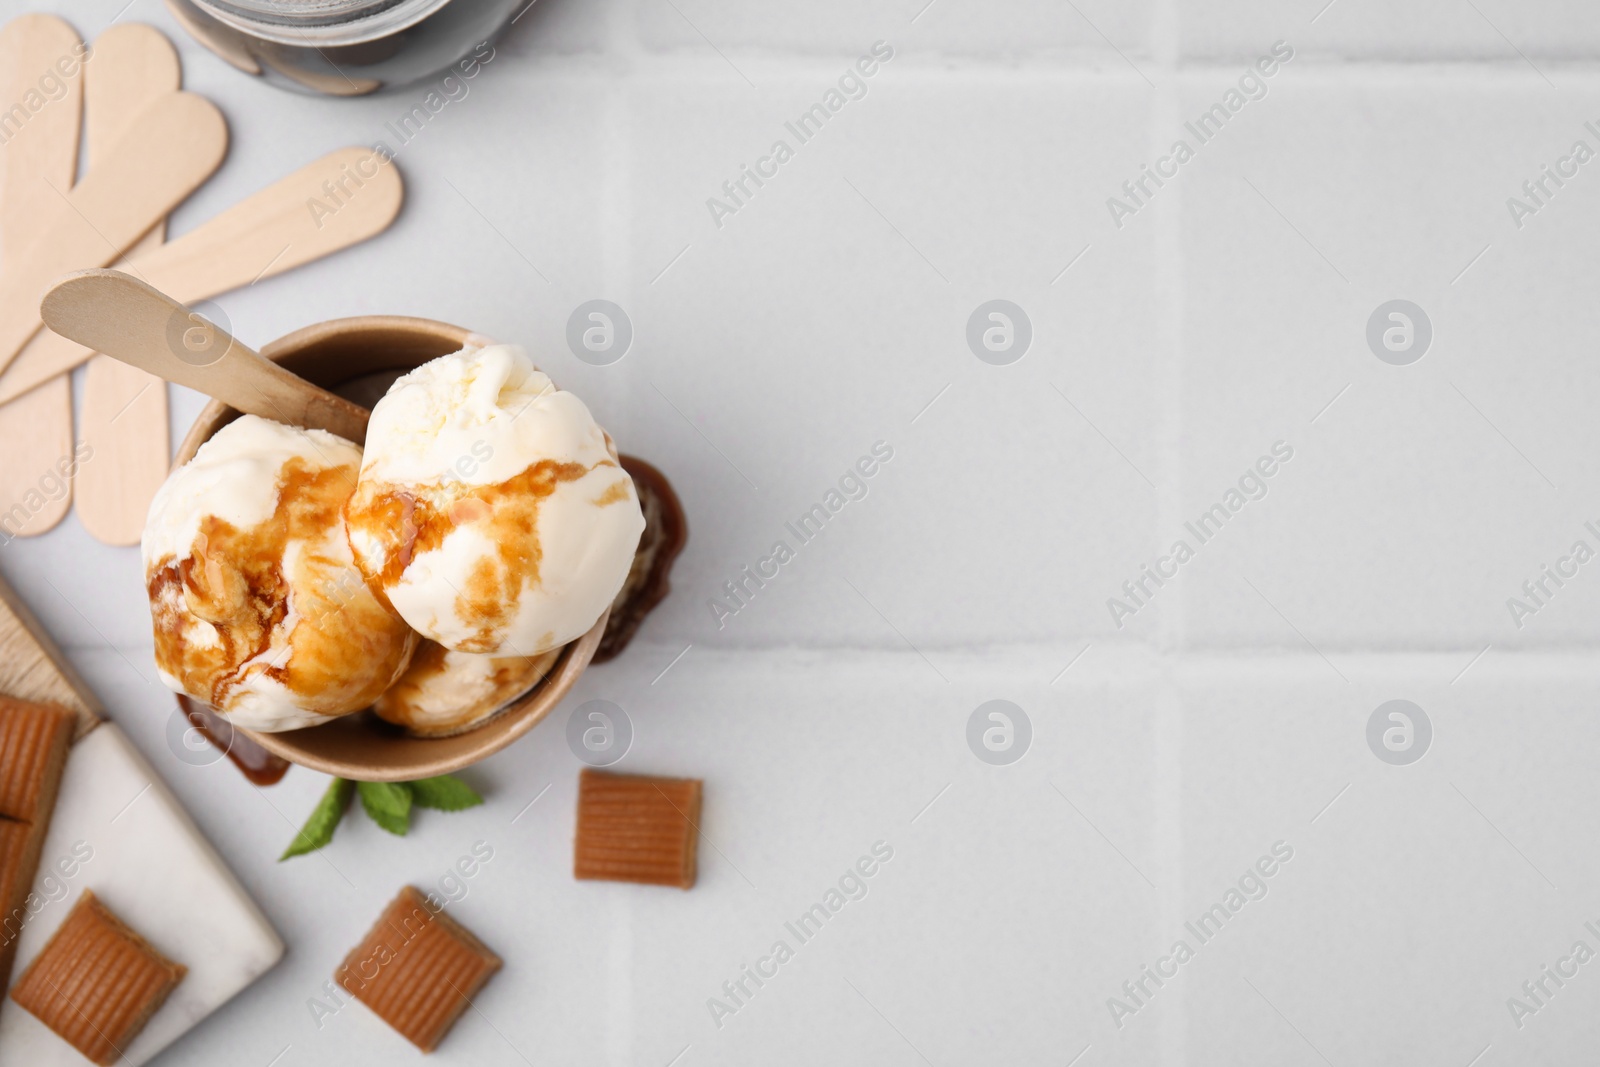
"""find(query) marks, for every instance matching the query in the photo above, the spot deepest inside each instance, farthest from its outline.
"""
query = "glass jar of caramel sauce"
(346, 47)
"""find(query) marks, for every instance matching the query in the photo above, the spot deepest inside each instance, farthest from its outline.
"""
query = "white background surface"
(826, 315)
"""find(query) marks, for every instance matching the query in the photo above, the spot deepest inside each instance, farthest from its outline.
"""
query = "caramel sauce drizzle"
(510, 677)
(254, 762)
(234, 579)
(408, 524)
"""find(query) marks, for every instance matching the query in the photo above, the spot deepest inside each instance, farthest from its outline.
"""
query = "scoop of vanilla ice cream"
(491, 510)
(445, 692)
(257, 605)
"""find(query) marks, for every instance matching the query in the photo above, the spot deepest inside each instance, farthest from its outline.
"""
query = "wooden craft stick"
(342, 199)
(38, 53)
(172, 148)
(123, 423)
(41, 149)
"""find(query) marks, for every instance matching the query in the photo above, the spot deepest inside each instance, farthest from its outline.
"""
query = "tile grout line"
(1575, 660)
(617, 222)
(1172, 628)
(620, 969)
(1086, 62)
(616, 233)
(1169, 289)
(1168, 800)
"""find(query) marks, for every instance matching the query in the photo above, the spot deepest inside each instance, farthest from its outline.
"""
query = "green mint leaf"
(388, 804)
(318, 830)
(444, 793)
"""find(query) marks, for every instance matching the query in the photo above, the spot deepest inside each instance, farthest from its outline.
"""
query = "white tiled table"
(828, 314)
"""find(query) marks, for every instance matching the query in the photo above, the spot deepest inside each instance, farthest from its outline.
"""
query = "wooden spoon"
(173, 147)
(123, 317)
(40, 163)
(123, 423)
(262, 236)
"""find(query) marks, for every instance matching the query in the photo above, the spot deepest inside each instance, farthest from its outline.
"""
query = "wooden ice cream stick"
(41, 151)
(340, 200)
(171, 148)
(40, 158)
(123, 421)
(120, 315)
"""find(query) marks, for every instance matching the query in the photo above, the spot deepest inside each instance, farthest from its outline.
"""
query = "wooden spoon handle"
(123, 317)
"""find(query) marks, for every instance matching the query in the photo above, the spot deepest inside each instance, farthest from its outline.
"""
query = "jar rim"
(320, 22)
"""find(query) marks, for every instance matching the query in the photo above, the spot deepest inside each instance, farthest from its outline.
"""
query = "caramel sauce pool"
(253, 761)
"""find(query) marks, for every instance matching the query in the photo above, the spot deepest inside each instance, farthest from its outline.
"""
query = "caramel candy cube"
(637, 828)
(97, 982)
(417, 969)
(19, 859)
(34, 739)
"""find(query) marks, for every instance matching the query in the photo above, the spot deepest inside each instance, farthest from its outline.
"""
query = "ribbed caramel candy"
(33, 752)
(33, 749)
(417, 969)
(97, 982)
(637, 828)
(19, 857)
